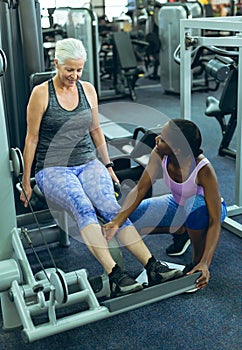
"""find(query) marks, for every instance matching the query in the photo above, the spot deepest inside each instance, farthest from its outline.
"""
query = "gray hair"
(70, 48)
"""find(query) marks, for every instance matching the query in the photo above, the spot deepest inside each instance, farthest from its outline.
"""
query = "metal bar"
(83, 282)
(21, 307)
(21, 256)
(233, 41)
(64, 324)
(233, 226)
(186, 79)
(233, 24)
(238, 189)
(106, 309)
(151, 294)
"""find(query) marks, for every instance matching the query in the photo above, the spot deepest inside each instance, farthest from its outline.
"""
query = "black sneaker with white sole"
(180, 244)
(121, 283)
(159, 272)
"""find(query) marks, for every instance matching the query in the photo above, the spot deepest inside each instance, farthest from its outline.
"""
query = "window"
(112, 10)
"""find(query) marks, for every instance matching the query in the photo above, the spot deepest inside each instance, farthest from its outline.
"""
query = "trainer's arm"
(135, 196)
(208, 179)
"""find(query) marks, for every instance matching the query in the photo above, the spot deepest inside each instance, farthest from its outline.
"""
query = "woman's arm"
(35, 110)
(95, 128)
(208, 179)
(135, 196)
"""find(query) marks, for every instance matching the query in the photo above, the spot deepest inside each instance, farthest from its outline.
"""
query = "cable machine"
(22, 44)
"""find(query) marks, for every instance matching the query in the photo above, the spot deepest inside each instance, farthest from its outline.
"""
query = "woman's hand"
(113, 175)
(26, 193)
(109, 230)
(203, 280)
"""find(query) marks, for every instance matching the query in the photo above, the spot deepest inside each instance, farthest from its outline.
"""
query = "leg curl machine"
(53, 298)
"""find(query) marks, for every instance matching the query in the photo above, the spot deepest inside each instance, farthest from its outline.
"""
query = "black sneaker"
(159, 272)
(180, 244)
(121, 283)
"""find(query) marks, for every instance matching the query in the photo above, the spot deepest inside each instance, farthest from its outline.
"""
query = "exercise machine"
(120, 65)
(22, 44)
(224, 68)
(125, 70)
(233, 25)
(168, 20)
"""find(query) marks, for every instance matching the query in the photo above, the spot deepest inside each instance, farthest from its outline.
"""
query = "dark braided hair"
(185, 134)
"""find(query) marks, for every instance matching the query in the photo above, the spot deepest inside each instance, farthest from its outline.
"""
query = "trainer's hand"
(109, 230)
(203, 280)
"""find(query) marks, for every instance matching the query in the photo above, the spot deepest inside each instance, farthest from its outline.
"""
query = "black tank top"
(64, 138)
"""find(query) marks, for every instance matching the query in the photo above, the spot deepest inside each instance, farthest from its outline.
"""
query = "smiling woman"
(69, 70)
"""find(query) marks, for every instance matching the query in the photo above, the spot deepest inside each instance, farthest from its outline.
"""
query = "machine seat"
(138, 148)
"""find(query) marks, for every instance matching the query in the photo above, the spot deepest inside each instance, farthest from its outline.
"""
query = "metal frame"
(231, 25)
(24, 296)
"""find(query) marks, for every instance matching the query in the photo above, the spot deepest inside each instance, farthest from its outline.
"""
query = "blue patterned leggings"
(163, 211)
(83, 191)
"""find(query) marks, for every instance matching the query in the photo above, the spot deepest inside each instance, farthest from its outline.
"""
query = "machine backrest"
(125, 51)
(228, 99)
(39, 78)
(146, 143)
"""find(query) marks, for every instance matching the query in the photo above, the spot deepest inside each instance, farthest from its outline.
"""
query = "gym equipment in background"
(232, 25)
(168, 20)
(224, 109)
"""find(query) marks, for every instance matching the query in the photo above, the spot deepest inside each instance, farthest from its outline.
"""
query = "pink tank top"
(182, 191)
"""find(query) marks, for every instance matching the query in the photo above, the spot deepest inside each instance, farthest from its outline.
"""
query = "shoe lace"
(123, 274)
(160, 265)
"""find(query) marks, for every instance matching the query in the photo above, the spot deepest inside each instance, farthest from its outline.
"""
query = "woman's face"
(70, 71)
(162, 147)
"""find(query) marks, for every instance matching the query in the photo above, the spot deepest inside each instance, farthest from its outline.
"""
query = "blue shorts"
(163, 211)
(83, 191)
